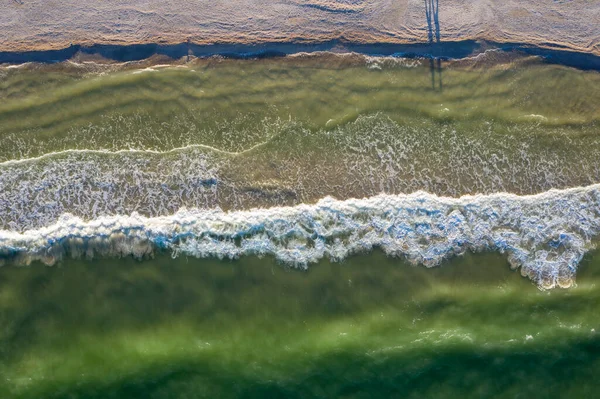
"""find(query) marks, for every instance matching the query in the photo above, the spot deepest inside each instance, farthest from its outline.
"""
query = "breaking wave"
(545, 235)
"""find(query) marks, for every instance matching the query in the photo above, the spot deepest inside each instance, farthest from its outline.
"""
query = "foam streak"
(546, 235)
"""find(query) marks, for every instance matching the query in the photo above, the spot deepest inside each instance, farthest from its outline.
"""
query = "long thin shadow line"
(436, 16)
(429, 22)
(433, 30)
(430, 40)
(438, 38)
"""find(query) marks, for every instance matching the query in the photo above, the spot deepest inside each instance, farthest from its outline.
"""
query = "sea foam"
(546, 235)
(289, 164)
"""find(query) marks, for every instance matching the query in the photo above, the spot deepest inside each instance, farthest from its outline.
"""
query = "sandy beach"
(33, 25)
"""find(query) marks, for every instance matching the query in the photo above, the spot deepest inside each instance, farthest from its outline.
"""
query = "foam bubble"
(545, 235)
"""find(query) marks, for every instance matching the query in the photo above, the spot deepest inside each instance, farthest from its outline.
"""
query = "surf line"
(130, 151)
(545, 235)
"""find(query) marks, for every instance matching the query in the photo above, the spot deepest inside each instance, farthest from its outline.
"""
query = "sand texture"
(52, 24)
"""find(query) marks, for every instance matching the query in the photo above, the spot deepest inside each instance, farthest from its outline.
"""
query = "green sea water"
(369, 327)
(259, 133)
(233, 105)
(98, 140)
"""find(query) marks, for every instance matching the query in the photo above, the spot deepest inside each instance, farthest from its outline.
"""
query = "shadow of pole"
(434, 39)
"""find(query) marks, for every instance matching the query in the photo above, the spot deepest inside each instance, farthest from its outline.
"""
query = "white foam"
(16, 66)
(287, 165)
(537, 117)
(50, 155)
(144, 70)
(546, 235)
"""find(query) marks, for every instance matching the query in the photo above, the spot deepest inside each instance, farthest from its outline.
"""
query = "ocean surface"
(315, 225)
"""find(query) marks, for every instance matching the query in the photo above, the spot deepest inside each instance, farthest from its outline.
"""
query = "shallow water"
(241, 134)
(310, 226)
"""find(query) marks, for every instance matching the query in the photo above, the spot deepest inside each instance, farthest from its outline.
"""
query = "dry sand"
(53, 24)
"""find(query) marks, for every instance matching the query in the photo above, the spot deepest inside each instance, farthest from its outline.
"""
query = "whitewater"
(545, 235)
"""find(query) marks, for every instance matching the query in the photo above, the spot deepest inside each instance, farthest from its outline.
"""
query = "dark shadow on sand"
(434, 38)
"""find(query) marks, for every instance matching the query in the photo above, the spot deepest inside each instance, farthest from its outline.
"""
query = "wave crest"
(546, 235)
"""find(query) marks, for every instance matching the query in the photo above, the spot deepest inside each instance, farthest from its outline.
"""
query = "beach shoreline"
(178, 54)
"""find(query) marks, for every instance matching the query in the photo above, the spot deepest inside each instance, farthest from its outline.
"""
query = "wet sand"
(38, 25)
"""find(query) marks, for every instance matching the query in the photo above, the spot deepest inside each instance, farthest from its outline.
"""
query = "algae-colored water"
(369, 327)
(241, 134)
(98, 141)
